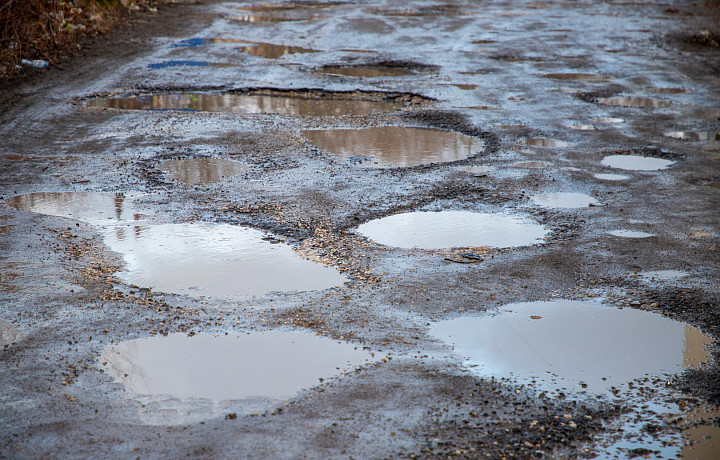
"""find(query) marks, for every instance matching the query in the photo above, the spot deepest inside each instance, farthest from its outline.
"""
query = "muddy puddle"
(214, 260)
(564, 200)
(580, 346)
(609, 120)
(630, 234)
(200, 171)
(396, 145)
(582, 127)
(636, 102)
(693, 136)
(93, 208)
(531, 165)
(478, 171)
(545, 143)
(246, 104)
(448, 229)
(664, 275)
(636, 162)
(181, 378)
(272, 51)
(611, 177)
(365, 71)
(9, 334)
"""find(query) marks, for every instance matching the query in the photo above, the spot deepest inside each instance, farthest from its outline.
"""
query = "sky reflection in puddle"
(200, 171)
(447, 229)
(214, 260)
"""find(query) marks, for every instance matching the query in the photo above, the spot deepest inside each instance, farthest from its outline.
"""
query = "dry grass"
(50, 29)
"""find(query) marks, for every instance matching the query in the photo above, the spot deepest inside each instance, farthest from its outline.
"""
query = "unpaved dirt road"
(542, 98)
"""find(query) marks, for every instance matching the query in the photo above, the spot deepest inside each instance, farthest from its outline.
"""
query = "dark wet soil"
(535, 70)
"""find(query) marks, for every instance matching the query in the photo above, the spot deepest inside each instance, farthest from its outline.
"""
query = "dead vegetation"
(51, 30)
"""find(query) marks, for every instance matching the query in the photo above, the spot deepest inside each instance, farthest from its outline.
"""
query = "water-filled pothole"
(636, 162)
(196, 171)
(545, 143)
(611, 177)
(637, 102)
(396, 145)
(272, 51)
(9, 334)
(694, 136)
(581, 344)
(531, 164)
(448, 229)
(609, 120)
(90, 207)
(180, 63)
(630, 234)
(478, 170)
(564, 200)
(247, 104)
(270, 365)
(369, 71)
(664, 275)
(214, 260)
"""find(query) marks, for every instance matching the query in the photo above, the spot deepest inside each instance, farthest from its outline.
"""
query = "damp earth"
(291, 229)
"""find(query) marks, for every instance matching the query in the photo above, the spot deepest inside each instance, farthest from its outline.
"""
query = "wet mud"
(168, 195)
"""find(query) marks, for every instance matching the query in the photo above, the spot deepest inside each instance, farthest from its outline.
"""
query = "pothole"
(545, 143)
(230, 367)
(693, 136)
(636, 102)
(636, 162)
(478, 170)
(581, 345)
(582, 127)
(630, 234)
(531, 164)
(90, 207)
(272, 51)
(396, 145)
(664, 275)
(448, 229)
(564, 200)
(216, 260)
(611, 177)
(305, 103)
(370, 71)
(198, 171)
(9, 334)
(609, 120)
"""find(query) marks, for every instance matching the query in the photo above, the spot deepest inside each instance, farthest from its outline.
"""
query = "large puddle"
(396, 145)
(245, 104)
(269, 365)
(214, 260)
(636, 162)
(564, 200)
(637, 102)
(581, 345)
(90, 207)
(448, 229)
(199, 171)
(365, 71)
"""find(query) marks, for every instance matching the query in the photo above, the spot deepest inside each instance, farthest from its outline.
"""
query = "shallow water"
(365, 71)
(94, 208)
(664, 275)
(693, 136)
(197, 171)
(272, 51)
(636, 162)
(611, 177)
(396, 145)
(580, 345)
(577, 76)
(531, 164)
(478, 171)
(545, 143)
(610, 120)
(630, 234)
(272, 365)
(214, 260)
(447, 229)
(245, 104)
(564, 200)
(637, 102)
